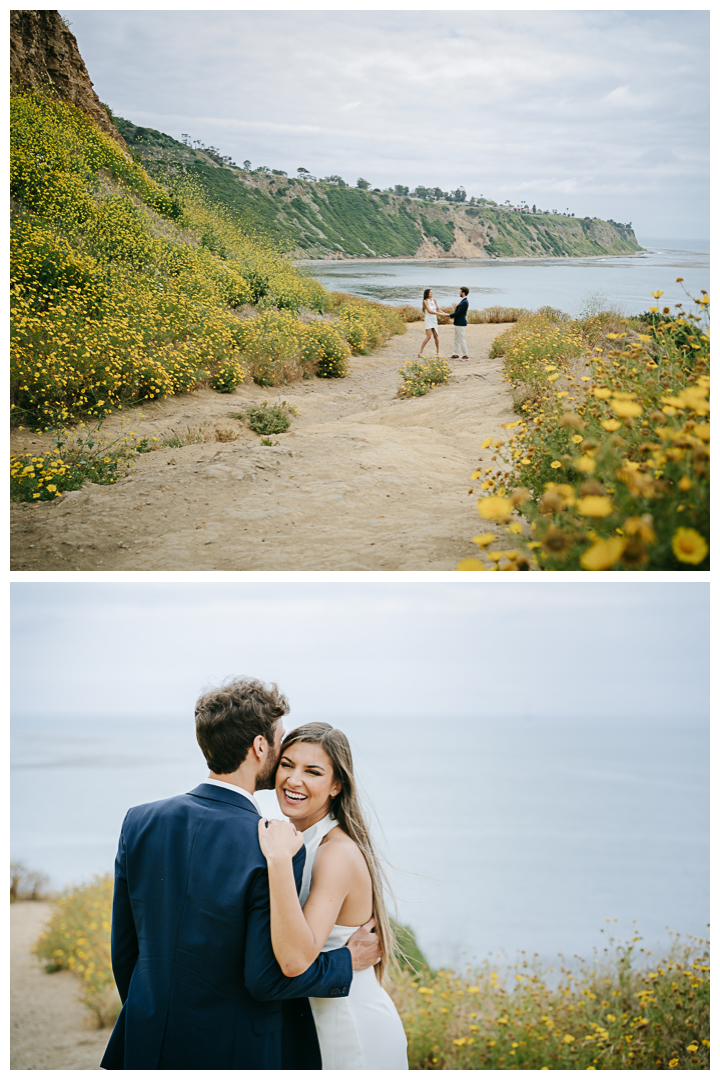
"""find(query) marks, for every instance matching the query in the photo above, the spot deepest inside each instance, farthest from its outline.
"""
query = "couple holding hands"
(458, 316)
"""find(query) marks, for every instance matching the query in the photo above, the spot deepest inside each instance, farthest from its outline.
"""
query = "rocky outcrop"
(44, 53)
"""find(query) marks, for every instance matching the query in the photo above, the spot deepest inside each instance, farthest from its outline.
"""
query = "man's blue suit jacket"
(191, 949)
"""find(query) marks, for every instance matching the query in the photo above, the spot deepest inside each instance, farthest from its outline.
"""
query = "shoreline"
(409, 259)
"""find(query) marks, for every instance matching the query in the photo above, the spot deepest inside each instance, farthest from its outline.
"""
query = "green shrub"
(267, 419)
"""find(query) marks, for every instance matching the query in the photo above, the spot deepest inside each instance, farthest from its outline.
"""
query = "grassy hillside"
(320, 219)
(123, 290)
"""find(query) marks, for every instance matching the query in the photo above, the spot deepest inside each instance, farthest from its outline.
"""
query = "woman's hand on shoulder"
(278, 839)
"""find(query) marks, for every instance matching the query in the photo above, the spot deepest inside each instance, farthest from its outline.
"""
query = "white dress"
(362, 1030)
(431, 320)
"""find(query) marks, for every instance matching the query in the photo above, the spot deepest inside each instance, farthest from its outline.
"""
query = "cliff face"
(43, 51)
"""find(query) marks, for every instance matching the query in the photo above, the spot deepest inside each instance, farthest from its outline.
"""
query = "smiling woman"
(342, 888)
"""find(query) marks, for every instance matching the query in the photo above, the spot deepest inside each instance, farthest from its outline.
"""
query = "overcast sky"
(601, 112)
(563, 649)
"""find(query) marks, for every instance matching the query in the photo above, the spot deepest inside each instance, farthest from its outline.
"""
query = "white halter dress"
(363, 1030)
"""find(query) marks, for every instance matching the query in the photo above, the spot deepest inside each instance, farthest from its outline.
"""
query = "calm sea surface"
(568, 284)
(504, 834)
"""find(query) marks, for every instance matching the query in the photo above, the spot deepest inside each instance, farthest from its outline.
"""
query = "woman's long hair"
(426, 294)
(347, 812)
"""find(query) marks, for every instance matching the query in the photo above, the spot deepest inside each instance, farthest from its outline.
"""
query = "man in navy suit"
(191, 949)
(459, 318)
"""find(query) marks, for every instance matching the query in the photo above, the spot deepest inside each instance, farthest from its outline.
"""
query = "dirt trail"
(363, 480)
(49, 1028)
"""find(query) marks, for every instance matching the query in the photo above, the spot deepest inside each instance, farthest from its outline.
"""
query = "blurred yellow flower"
(689, 546)
(642, 527)
(626, 408)
(556, 464)
(470, 564)
(585, 464)
(577, 439)
(610, 425)
(603, 554)
(602, 392)
(484, 539)
(494, 507)
(568, 1038)
(484, 445)
(594, 506)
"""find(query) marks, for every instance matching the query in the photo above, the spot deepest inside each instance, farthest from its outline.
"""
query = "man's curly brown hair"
(228, 719)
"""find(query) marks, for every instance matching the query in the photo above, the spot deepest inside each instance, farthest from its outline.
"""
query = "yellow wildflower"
(594, 506)
(689, 546)
(494, 507)
(603, 554)
(470, 564)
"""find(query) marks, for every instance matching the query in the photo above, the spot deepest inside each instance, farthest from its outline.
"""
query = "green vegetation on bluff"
(317, 219)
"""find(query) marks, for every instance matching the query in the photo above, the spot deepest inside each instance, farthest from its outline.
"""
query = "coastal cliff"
(328, 220)
(45, 54)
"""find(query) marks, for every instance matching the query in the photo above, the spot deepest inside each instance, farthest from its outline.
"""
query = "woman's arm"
(297, 935)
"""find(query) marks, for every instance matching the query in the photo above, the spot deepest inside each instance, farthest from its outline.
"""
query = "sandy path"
(48, 1025)
(362, 481)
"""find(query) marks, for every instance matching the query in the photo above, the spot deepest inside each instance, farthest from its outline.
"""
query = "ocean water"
(624, 282)
(503, 834)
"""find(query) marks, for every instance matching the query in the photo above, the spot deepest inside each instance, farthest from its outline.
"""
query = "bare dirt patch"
(49, 1027)
(363, 480)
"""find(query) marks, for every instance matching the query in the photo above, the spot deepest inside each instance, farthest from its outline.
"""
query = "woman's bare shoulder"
(338, 845)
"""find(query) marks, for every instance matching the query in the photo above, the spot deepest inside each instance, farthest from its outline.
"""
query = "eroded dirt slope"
(362, 481)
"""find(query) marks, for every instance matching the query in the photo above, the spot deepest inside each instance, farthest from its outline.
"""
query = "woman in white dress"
(342, 889)
(431, 312)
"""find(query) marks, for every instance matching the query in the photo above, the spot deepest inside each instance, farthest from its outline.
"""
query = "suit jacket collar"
(223, 795)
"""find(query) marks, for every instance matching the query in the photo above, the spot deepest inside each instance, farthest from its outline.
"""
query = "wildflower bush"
(613, 1014)
(124, 290)
(78, 456)
(418, 376)
(363, 323)
(323, 351)
(610, 461)
(77, 939)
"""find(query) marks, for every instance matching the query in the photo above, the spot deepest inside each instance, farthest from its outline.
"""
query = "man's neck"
(240, 778)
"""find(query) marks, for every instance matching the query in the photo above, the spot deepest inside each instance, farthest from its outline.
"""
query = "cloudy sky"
(559, 650)
(601, 112)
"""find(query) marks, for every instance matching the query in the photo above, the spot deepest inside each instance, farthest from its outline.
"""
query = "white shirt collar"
(234, 787)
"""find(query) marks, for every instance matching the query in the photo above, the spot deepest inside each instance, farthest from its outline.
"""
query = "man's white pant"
(460, 346)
